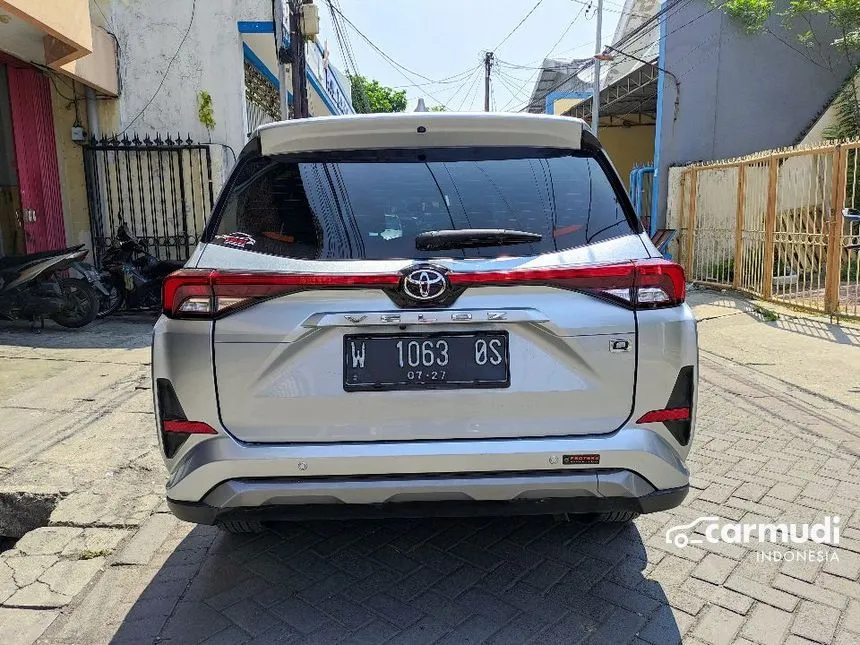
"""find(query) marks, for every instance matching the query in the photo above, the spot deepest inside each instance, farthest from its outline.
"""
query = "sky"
(446, 39)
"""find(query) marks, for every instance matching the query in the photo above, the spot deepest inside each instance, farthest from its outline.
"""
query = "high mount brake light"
(212, 293)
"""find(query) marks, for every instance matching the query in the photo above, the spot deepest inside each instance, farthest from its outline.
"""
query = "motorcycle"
(132, 275)
(35, 285)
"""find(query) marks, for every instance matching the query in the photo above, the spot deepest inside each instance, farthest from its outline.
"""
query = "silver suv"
(424, 314)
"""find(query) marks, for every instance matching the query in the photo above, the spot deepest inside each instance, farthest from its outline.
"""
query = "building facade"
(154, 74)
(686, 83)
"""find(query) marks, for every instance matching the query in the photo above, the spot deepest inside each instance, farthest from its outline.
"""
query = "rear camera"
(421, 129)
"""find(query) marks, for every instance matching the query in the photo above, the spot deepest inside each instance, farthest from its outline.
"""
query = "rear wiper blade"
(471, 238)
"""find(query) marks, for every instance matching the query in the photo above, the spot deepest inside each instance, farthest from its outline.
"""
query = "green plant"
(847, 124)
(723, 271)
(205, 113)
(850, 268)
(438, 108)
(752, 14)
(370, 96)
(768, 315)
(843, 17)
(90, 554)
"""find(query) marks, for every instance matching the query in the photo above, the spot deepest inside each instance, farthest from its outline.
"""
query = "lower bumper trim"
(203, 513)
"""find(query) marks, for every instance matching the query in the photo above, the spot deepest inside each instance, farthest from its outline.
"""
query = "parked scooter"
(132, 276)
(32, 287)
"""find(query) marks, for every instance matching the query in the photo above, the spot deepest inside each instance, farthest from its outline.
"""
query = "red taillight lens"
(637, 284)
(669, 414)
(208, 293)
(187, 286)
(188, 427)
(659, 283)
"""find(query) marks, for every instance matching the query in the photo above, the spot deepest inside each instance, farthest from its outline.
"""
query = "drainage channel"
(22, 512)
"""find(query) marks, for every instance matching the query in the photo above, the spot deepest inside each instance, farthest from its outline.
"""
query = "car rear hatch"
(336, 320)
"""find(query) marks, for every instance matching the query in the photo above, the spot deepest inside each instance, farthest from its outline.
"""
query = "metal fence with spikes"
(160, 188)
(783, 225)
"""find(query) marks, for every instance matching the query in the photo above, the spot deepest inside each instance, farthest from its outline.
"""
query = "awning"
(630, 100)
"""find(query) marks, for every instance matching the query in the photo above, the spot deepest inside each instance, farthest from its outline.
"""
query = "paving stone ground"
(767, 449)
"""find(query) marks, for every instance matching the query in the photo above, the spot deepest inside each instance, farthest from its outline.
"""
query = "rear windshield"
(372, 205)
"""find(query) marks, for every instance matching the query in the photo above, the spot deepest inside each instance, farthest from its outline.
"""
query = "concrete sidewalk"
(78, 467)
(778, 439)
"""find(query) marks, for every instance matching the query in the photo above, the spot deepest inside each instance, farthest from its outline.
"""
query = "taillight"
(659, 283)
(211, 293)
(208, 293)
(639, 284)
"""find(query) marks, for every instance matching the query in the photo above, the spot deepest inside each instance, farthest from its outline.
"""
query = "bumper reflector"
(188, 427)
(669, 414)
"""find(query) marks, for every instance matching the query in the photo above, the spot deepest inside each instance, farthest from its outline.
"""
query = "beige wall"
(561, 106)
(828, 118)
(98, 70)
(66, 20)
(70, 162)
(628, 147)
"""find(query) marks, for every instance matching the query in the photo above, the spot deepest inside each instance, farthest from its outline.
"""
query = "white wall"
(211, 59)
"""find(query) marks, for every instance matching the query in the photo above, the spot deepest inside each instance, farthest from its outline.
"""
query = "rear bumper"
(491, 494)
(211, 461)
(633, 469)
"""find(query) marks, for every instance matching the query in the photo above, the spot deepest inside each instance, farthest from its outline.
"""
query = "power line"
(449, 80)
(640, 32)
(166, 69)
(393, 63)
(342, 41)
(346, 39)
(523, 86)
(509, 85)
(378, 50)
(511, 78)
(611, 9)
(475, 93)
(101, 11)
(519, 24)
(466, 84)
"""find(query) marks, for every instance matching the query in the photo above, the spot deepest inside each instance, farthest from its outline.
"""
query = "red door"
(36, 159)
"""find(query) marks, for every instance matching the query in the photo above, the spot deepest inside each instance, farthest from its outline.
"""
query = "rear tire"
(617, 516)
(111, 302)
(85, 303)
(242, 527)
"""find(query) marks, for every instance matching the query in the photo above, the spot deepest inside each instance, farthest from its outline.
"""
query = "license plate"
(425, 361)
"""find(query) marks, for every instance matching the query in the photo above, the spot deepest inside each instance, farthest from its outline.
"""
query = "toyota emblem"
(424, 284)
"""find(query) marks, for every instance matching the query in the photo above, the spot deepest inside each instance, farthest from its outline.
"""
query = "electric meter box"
(310, 20)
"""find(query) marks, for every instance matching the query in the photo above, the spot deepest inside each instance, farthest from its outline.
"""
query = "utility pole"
(299, 63)
(281, 55)
(598, 48)
(488, 65)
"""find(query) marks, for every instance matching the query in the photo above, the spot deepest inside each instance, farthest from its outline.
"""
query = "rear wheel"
(113, 300)
(82, 303)
(240, 527)
(617, 516)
